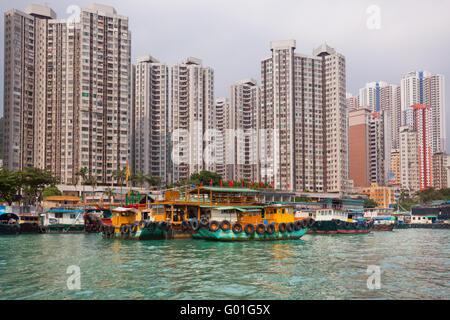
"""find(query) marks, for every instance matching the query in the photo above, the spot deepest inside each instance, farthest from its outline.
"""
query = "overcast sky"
(232, 36)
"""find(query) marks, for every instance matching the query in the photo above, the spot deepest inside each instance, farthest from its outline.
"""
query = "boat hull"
(402, 226)
(29, 227)
(9, 229)
(339, 227)
(383, 227)
(64, 228)
(146, 234)
(229, 235)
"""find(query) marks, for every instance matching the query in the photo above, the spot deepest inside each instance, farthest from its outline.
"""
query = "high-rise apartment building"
(379, 147)
(423, 125)
(352, 101)
(359, 149)
(151, 115)
(223, 149)
(395, 167)
(381, 96)
(440, 167)
(425, 88)
(409, 159)
(77, 107)
(25, 86)
(303, 102)
(192, 107)
(243, 131)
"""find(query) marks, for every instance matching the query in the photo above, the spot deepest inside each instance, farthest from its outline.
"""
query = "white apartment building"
(151, 116)
(423, 87)
(303, 100)
(192, 107)
(223, 149)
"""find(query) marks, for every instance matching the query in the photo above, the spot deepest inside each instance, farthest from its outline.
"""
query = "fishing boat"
(29, 223)
(62, 220)
(383, 223)
(9, 224)
(332, 221)
(134, 224)
(267, 223)
(95, 217)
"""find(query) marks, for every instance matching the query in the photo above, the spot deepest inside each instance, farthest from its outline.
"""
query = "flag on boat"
(210, 183)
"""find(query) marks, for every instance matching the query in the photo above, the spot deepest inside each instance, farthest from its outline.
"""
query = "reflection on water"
(415, 264)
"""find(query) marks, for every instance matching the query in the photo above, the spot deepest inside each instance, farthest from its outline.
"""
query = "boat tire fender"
(249, 229)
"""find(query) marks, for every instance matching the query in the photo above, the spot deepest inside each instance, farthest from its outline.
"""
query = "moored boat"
(270, 223)
(383, 223)
(59, 220)
(9, 224)
(95, 217)
(29, 223)
(331, 221)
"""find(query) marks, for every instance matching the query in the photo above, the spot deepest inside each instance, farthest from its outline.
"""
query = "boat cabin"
(121, 216)
(56, 216)
(330, 214)
(29, 218)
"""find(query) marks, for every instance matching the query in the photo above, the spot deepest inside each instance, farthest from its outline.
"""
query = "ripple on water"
(415, 264)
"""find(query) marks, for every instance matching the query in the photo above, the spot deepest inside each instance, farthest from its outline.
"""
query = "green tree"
(10, 185)
(152, 180)
(139, 179)
(83, 173)
(302, 198)
(369, 203)
(109, 192)
(34, 181)
(205, 177)
(51, 191)
(92, 181)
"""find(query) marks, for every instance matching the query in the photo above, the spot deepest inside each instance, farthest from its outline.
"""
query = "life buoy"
(142, 224)
(214, 226)
(122, 229)
(185, 225)
(282, 227)
(163, 225)
(150, 226)
(249, 229)
(347, 225)
(204, 221)
(225, 225)
(338, 222)
(260, 229)
(311, 222)
(298, 225)
(270, 229)
(237, 228)
(290, 227)
(134, 228)
(195, 224)
(112, 230)
(127, 228)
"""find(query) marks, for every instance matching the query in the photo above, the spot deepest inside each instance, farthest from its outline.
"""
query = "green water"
(414, 264)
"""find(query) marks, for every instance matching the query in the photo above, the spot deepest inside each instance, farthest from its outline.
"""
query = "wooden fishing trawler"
(256, 223)
(9, 224)
(29, 223)
(331, 221)
(383, 223)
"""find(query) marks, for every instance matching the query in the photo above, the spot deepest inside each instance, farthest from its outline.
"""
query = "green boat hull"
(229, 235)
(402, 226)
(64, 228)
(156, 234)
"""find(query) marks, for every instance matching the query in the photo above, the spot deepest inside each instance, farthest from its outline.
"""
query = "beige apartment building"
(24, 85)
(222, 148)
(303, 100)
(71, 105)
(192, 108)
(244, 134)
(409, 159)
(151, 116)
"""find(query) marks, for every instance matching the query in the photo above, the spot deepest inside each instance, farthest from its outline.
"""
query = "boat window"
(282, 210)
(58, 214)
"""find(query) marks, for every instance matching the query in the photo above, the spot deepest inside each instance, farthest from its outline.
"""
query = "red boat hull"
(383, 227)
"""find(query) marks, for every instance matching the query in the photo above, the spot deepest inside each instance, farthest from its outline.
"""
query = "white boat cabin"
(62, 217)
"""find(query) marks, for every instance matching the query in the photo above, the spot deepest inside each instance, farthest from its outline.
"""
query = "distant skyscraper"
(379, 148)
(440, 168)
(425, 88)
(423, 118)
(380, 96)
(352, 101)
(151, 117)
(359, 149)
(223, 149)
(192, 107)
(303, 100)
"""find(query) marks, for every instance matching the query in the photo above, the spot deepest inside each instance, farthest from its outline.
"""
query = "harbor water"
(413, 264)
